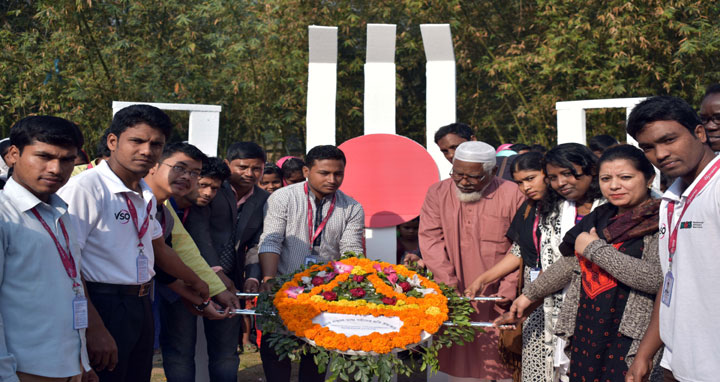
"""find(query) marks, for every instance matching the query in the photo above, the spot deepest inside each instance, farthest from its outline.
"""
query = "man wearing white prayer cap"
(462, 234)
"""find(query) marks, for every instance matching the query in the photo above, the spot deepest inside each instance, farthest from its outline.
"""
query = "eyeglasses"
(180, 170)
(456, 176)
(715, 118)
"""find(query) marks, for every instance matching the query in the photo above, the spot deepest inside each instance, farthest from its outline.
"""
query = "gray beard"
(470, 197)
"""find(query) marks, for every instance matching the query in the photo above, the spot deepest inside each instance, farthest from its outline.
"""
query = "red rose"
(317, 281)
(358, 278)
(330, 296)
(357, 292)
(389, 300)
(405, 286)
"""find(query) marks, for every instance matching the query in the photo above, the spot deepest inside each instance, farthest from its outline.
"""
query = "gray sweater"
(643, 275)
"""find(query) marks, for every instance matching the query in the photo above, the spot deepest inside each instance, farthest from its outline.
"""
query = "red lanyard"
(65, 256)
(672, 240)
(186, 211)
(142, 230)
(536, 239)
(315, 235)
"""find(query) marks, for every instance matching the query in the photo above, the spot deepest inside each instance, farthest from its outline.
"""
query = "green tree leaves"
(515, 59)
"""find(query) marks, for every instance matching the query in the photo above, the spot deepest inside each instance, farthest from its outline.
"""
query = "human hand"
(229, 284)
(507, 321)
(504, 302)
(251, 286)
(519, 307)
(228, 300)
(90, 376)
(101, 347)
(476, 287)
(199, 287)
(267, 285)
(584, 239)
(639, 371)
(212, 312)
(411, 258)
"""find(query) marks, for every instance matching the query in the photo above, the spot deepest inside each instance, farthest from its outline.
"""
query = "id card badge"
(80, 312)
(143, 272)
(667, 288)
(534, 273)
(311, 258)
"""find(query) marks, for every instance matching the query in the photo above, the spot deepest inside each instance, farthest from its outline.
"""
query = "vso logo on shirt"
(123, 216)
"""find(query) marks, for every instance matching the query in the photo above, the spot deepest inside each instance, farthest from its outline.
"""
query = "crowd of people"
(610, 279)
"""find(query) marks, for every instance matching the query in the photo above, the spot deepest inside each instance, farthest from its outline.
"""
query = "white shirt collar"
(677, 190)
(24, 200)
(114, 183)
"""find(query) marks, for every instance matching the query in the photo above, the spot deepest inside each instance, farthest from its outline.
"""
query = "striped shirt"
(286, 231)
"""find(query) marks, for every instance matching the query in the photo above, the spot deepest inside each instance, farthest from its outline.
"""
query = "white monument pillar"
(379, 101)
(379, 115)
(322, 86)
(440, 93)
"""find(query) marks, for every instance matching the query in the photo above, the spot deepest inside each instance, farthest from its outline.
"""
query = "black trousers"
(129, 320)
(279, 371)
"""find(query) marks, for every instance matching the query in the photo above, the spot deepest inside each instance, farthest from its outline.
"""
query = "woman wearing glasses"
(611, 261)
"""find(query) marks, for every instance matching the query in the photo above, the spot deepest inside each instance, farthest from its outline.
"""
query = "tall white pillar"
(322, 86)
(379, 101)
(440, 93)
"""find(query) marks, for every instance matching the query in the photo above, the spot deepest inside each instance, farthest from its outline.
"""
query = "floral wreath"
(358, 286)
(361, 287)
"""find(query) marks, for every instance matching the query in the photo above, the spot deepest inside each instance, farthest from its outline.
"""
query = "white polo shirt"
(105, 231)
(689, 327)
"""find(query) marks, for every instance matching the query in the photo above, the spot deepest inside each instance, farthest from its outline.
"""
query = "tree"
(515, 59)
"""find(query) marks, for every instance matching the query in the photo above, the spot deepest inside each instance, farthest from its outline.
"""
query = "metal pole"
(240, 294)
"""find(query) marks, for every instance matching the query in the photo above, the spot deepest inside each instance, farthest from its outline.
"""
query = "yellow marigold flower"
(433, 310)
(317, 298)
(357, 271)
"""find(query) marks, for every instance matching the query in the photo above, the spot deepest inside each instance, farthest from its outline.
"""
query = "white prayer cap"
(475, 152)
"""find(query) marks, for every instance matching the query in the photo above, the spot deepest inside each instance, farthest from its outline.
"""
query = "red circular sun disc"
(389, 175)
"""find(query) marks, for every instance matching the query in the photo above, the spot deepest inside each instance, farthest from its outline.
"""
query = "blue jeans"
(177, 341)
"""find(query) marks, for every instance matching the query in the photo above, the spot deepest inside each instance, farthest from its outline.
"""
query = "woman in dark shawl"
(611, 261)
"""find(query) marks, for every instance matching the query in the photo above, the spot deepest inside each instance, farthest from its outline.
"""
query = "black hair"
(531, 161)
(215, 168)
(136, 114)
(271, 168)
(5, 147)
(519, 146)
(82, 154)
(662, 108)
(711, 89)
(245, 150)
(538, 148)
(631, 154)
(566, 155)
(601, 142)
(323, 152)
(460, 129)
(46, 129)
(185, 148)
(291, 166)
(102, 150)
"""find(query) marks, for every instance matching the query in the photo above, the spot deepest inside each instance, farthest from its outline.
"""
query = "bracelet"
(202, 306)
